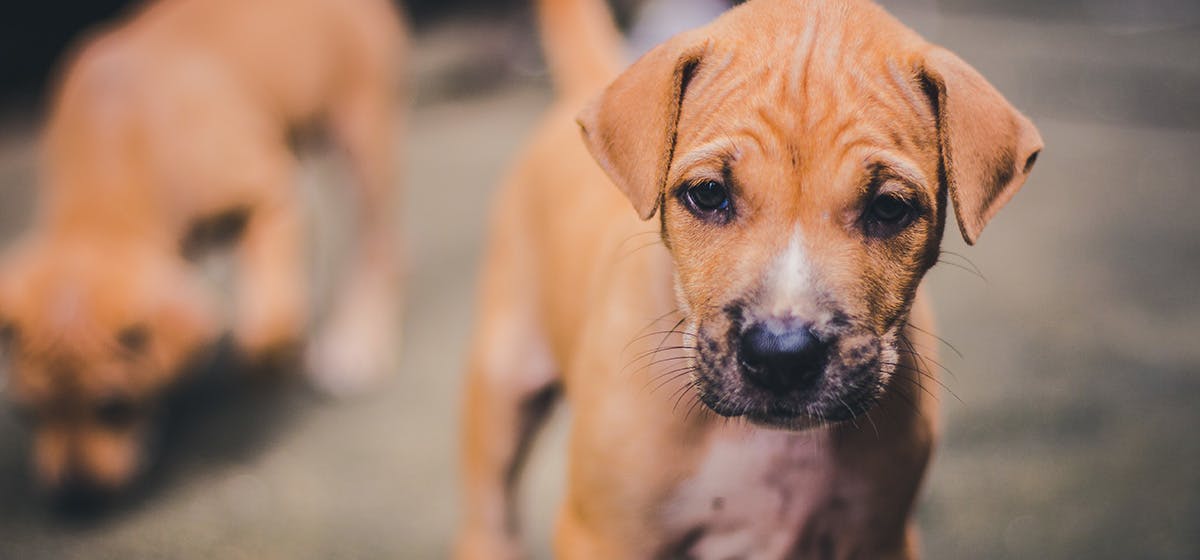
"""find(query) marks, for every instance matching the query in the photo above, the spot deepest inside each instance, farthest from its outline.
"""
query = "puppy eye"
(116, 412)
(707, 199)
(887, 214)
(134, 338)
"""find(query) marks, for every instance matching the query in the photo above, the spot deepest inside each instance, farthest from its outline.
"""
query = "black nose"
(79, 496)
(782, 356)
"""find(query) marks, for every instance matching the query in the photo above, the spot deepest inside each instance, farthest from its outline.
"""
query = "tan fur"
(179, 115)
(811, 109)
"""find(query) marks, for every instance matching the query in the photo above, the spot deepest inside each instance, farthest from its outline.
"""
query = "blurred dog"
(799, 155)
(167, 132)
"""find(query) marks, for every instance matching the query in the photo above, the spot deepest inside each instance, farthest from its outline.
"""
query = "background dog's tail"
(582, 44)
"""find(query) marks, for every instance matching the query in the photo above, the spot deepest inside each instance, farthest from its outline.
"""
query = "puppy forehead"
(799, 81)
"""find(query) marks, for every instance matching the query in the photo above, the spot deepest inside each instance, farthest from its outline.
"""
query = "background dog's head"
(93, 334)
(800, 156)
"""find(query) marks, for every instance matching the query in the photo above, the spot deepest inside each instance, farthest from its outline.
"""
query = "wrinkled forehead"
(808, 83)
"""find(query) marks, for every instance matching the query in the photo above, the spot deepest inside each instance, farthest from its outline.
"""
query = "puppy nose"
(79, 495)
(782, 356)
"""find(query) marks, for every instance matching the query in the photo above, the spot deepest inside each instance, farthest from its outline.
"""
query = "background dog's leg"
(359, 343)
(512, 385)
(272, 299)
(573, 540)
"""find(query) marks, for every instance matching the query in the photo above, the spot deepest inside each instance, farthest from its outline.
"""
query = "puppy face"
(801, 170)
(799, 238)
(92, 338)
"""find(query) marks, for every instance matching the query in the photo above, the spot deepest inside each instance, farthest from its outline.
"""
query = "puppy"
(168, 131)
(799, 156)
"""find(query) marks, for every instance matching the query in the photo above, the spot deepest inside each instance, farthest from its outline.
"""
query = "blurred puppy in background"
(799, 156)
(170, 131)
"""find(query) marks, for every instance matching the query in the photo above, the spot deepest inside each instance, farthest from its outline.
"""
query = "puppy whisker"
(873, 426)
(913, 350)
(963, 257)
(651, 354)
(654, 321)
(654, 351)
(676, 374)
(940, 339)
(965, 269)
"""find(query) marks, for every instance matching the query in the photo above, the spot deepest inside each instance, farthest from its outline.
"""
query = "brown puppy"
(799, 155)
(169, 128)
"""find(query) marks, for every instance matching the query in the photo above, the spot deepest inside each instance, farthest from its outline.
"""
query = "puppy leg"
(573, 541)
(272, 306)
(511, 387)
(358, 344)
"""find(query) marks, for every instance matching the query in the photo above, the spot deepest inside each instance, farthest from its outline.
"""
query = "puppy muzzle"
(789, 372)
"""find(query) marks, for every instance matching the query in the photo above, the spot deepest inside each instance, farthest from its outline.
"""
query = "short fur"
(171, 129)
(807, 111)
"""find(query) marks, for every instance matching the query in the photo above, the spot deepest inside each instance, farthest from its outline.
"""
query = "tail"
(582, 44)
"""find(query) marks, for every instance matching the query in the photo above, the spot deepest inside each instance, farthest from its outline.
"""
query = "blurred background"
(1071, 430)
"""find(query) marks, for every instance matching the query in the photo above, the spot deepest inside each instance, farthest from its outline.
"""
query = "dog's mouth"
(792, 391)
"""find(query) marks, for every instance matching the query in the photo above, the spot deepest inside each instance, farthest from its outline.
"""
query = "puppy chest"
(752, 496)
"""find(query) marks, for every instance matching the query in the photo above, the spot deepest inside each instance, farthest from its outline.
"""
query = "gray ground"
(1072, 434)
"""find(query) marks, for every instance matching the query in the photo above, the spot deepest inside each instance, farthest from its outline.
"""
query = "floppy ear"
(988, 148)
(630, 127)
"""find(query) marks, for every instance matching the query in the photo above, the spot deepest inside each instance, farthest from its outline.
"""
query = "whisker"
(655, 320)
(873, 426)
(968, 270)
(963, 257)
(675, 374)
(683, 391)
(661, 375)
(913, 350)
(651, 352)
(851, 411)
(657, 242)
(942, 340)
(923, 389)
(926, 375)
(666, 360)
(634, 236)
(668, 333)
(691, 408)
(908, 399)
(929, 360)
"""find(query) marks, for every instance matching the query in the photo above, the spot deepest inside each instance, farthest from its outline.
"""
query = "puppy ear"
(630, 127)
(988, 148)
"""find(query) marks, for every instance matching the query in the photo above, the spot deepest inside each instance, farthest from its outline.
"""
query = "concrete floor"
(1072, 434)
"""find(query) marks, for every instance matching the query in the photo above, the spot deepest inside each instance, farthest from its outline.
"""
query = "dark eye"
(887, 214)
(889, 209)
(707, 198)
(116, 412)
(134, 338)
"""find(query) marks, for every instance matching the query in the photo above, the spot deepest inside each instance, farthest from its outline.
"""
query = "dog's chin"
(792, 412)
